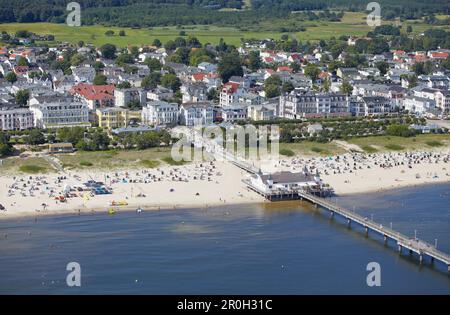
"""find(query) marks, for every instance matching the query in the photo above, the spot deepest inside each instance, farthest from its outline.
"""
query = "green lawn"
(353, 23)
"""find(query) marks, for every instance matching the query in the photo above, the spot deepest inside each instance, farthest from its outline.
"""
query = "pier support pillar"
(316, 205)
(399, 248)
(367, 231)
(349, 222)
(448, 268)
(385, 239)
(410, 251)
(331, 214)
(420, 258)
(432, 259)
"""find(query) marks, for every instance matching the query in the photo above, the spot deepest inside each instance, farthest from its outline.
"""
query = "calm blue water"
(287, 248)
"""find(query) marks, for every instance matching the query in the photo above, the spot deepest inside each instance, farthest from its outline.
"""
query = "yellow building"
(116, 117)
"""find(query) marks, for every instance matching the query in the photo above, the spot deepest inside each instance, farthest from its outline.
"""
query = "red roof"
(420, 57)
(20, 69)
(284, 69)
(198, 76)
(268, 59)
(230, 87)
(324, 74)
(93, 92)
(442, 55)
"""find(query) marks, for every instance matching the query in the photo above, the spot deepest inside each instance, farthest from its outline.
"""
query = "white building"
(234, 114)
(230, 94)
(200, 113)
(297, 105)
(283, 182)
(123, 97)
(376, 105)
(59, 113)
(442, 98)
(261, 112)
(14, 118)
(418, 105)
(160, 113)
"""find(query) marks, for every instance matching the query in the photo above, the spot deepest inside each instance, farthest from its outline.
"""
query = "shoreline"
(211, 184)
(171, 207)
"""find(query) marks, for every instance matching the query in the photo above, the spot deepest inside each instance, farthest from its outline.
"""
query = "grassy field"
(353, 23)
(31, 165)
(387, 143)
(152, 158)
(115, 159)
(312, 148)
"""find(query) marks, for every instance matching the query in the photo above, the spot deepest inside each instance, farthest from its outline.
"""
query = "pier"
(404, 243)
(413, 245)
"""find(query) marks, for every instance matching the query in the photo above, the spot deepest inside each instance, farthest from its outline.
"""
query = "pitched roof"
(94, 92)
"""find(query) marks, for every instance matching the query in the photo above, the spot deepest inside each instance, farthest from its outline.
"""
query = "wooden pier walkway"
(417, 246)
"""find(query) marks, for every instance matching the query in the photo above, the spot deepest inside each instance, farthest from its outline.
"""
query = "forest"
(148, 13)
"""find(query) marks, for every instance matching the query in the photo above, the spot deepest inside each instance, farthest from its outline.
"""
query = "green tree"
(400, 131)
(312, 71)
(35, 137)
(383, 66)
(254, 60)
(23, 62)
(77, 59)
(157, 43)
(271, 90)
(11, 77)
(153, 64)
(124, 85)
(171, 81)
(124, 59)
(100, 79)
(22, 97)
(200, 55)
(71, 135)
(108, 51)
(122, 33)
(230, 65)
(287, 87)
(346, 88)
(151, 81)
(99, 66)
(109, 33)
(5, 147)
(170, 45)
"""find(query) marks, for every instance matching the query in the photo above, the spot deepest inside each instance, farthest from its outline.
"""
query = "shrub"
(394, 147)
(287, 152)
(150, 163)
(86, 163)
(171, 161)
(434, 143)
(32, 169)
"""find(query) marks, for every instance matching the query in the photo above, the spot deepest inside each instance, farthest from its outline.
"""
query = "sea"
(272, 248)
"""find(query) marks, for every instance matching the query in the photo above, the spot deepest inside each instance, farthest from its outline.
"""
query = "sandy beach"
(202, 185)
(195, 185)
(354, 173)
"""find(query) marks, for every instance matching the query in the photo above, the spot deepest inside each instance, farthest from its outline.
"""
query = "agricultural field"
(353, 23)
